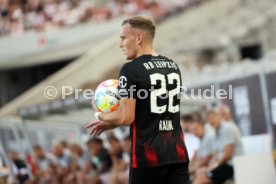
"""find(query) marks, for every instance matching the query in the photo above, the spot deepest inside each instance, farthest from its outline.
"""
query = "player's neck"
(147, 51)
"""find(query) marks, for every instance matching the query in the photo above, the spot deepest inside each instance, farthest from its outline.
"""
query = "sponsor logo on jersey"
(122, 82)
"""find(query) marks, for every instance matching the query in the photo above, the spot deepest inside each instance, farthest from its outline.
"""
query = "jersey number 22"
(163, 91)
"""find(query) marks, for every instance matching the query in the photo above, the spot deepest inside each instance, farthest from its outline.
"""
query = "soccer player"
(149, 87)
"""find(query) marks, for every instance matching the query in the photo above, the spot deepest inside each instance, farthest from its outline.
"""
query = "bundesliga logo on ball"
(106, 96)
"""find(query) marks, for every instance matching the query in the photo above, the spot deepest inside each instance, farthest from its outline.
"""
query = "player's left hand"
(98, 127)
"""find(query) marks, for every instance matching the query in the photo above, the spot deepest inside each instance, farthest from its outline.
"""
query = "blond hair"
(143, 23)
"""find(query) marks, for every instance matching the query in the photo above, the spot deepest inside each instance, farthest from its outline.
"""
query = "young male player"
(148, 86)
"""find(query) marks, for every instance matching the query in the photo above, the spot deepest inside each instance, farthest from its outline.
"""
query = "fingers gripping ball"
(106, 96)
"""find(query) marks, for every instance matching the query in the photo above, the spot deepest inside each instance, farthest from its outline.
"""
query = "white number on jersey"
(162, 91)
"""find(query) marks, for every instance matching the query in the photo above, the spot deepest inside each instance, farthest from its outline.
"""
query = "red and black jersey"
(155, 83)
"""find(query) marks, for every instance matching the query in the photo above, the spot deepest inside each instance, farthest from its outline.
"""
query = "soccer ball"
(106, 96)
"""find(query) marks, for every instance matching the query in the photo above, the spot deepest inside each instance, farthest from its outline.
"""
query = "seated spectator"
(225, 113)
(3, 168)
(207, 126)
(115, 148)
(79, 159)
(65, 147)
(121, 175)
(227, 118)
(46, 166)
(157, 12)
(43, 160)
(116, 153)
(101, 160)
(19, 167)
(18, 17)
(78, 155)
(126, 145)
(205, 151)
(228, 144)
(63, 162)
(191, 141)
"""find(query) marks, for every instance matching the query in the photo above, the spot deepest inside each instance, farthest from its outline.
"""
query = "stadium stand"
(206, 40)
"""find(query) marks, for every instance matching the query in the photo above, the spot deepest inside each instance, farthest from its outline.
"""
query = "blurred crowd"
(72, 164)
(107, 162)
(212, 143)
(20, 16)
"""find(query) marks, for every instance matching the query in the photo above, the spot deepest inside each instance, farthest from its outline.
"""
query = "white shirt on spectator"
(47, 161)
(192, 144)
(209, 128)
(206, 147)
(225, 135)
(234, 125)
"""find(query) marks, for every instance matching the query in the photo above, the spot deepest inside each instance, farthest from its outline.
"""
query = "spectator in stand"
(45, 166)
(228, 144)
(121, 175)
(79, 155)
(19, 167)
(115, 149)
(43, 160)
(65, 147)
(19, 16)
(4, 171)
(79, 159)
(191, 141)
(100, 157)
(63, 161)
(115, 152)
(206, 149)
(227, 118)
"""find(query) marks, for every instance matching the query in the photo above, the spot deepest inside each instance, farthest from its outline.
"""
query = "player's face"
(128, 44)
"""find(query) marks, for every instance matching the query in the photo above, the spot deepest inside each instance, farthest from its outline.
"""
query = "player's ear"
(139, 39)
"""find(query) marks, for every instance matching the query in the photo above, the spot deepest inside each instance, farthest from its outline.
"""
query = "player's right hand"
(98, 127)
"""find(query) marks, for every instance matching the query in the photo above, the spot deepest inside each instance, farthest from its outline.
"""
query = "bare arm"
(213, 162)
(124, 116)
(193, 164)
(205, 161)
(197, 163)
(227, 154)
